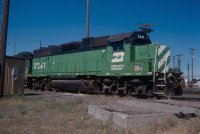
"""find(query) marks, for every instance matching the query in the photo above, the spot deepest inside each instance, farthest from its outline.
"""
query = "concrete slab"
(136, 113)
(130, 121)
(125, 118)
(99, 113)
(121, 119)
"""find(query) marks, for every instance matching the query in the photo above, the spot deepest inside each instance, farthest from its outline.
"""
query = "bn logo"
(118, 57)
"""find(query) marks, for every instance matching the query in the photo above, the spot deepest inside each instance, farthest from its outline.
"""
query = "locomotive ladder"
(161, 81)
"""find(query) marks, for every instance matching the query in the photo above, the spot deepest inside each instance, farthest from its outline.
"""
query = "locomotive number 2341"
(39, 65)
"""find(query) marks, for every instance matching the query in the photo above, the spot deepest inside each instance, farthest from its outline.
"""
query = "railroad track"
(188, 95)
(185, 98)
(191, 91)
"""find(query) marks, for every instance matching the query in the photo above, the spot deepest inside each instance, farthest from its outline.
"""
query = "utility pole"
(192, 54)
(179, 60)
(174, 62)
(188, 69)
(3, 40)
(88, 19)
(173, 58)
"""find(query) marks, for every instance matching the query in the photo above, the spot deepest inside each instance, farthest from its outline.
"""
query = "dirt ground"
(66, 113)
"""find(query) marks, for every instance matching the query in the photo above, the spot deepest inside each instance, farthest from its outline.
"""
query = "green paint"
(132, 61)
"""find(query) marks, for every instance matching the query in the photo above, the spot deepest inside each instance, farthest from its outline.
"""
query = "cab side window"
(117, 46)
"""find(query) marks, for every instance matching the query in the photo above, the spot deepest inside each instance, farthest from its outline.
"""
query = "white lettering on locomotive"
(38, 65)
(117, 67)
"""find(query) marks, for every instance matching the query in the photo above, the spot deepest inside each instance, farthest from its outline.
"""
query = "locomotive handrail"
(165, 72)
(155, 62)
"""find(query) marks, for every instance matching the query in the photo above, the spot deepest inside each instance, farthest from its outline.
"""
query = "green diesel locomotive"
(127, 63)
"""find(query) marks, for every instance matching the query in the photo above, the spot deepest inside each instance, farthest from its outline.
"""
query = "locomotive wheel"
(121, 91)
(178, 91)
(95, 86)
(171, 92)
(35, 85)
(47, 86)
(108, 87)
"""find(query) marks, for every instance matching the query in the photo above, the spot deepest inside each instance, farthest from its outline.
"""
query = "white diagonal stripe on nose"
(166, 69)
(161, 49)
(163, 60)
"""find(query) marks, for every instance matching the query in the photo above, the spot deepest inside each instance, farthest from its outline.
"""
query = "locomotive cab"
(134, 38)
(140, 38)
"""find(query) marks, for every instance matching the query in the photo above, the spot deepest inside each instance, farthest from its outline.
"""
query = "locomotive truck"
(127, 63)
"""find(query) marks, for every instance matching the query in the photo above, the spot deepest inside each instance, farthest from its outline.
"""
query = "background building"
(14, 76)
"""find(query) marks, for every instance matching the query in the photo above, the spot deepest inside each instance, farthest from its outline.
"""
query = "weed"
(23, 109)
(194, 127)
(12, 101)
(171, 122)
(68, 106)
(104, 125)
(81, 124)
(64, 115)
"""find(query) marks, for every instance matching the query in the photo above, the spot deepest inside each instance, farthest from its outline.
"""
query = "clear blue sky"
(177, 22)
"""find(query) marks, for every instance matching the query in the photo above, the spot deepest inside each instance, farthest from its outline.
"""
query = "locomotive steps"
(139, 113)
